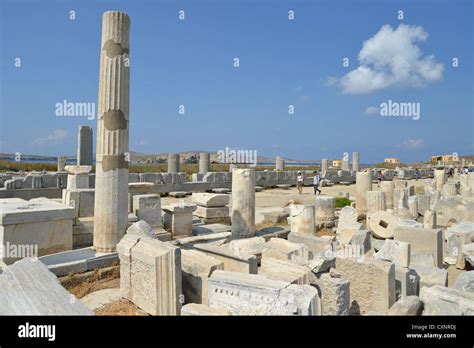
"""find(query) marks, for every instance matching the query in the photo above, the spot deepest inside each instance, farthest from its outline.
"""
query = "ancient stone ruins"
(242, 242)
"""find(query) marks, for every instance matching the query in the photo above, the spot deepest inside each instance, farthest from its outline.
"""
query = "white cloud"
(58, 134)
(412, 144)
(372, 110)
(391, 58)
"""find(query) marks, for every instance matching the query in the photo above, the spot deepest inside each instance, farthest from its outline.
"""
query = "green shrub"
(342, 202)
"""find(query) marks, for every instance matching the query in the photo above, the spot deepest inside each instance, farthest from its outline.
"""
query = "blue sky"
(282, 63)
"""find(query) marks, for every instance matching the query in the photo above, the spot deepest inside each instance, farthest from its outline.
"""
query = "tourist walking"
(316, 180)
(299, 182)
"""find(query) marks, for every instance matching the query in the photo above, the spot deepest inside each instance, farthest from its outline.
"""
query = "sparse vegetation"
(341, 202)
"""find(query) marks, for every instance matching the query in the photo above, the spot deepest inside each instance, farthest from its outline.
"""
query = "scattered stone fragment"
(411, 305)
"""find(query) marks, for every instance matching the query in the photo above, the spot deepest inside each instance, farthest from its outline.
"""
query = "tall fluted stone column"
(387, 187)
(376, 201)
(111, 179)
(61, 164)
(204, 162)
(325, 211)
(280, 164)
(173, 163)
(243, 203)
(363, 184)
(355, 161)
(324, 165)
(345, 164)
(439, 178)
(84, 146)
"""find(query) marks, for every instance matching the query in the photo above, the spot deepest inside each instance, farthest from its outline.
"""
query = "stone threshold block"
(196, 268)
(210, 200)
(440, 300)
(280, 232)
(150, 273)
(282, 249)
(287, 271)
(201, 309)
(40, 226)
(78, 261)
(244, 263)
(247, 246)
(29, 288)
(189, 242)
(251, 294)
(422, 240)
(209, 229)
(315, 245)
(372, 284)
(212, 213)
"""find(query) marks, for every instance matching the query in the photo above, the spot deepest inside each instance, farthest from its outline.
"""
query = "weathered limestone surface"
(111, 182)
(302, 219)
(372, 284)
(29, 288)
(315, 245)
(245, 263)
(387, 187)
(150, 274)
(211, 213)
(39, 225)
(335, 294)
(363, 184)
(375, 201)
(196, 268)
(465, 281)
(422, 240)
(348, 219)
(251, 294)
(395, 251)
(148, 208)
(429, 276)
(210, 199)
(411, 305)
(201, 309)
(178, 218)
(440, 300)
(243, 203)
(285, 270)
(325, 207)
(85, 146)
(282, 249)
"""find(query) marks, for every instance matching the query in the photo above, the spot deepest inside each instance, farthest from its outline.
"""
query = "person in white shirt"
(316, 180)
(299, 182)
